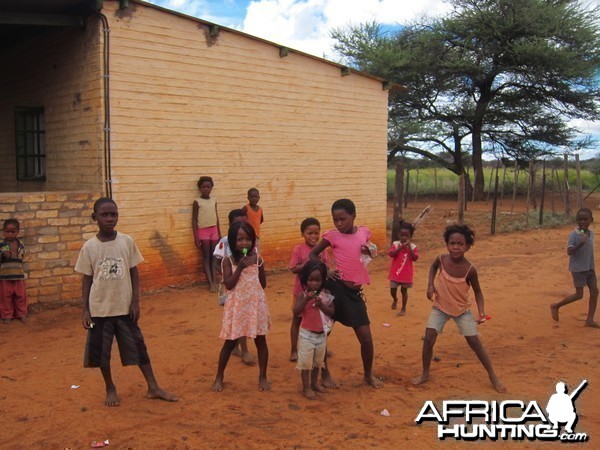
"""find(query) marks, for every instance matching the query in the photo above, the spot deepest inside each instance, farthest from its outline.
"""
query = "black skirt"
(350, 307)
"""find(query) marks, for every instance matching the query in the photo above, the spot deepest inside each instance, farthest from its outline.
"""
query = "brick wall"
(54, 226)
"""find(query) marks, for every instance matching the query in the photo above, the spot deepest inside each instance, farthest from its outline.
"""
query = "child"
(348, 242)
(222, 251)
(451, 300)
(111, 305)
(580, 249)
(205, 226)
(404, 253)
(310, 228)
(254, 212)
(312, 341)
(13, 295)
(246, 312)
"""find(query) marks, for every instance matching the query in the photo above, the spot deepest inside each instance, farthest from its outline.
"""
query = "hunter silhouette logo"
(515, 420)
(561, 408)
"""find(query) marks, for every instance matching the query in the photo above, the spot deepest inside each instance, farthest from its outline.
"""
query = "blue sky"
(305, 24)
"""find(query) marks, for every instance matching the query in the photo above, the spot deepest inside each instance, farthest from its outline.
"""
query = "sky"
(305, 25)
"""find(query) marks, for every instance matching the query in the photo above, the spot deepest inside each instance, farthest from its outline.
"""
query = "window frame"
(30, 144)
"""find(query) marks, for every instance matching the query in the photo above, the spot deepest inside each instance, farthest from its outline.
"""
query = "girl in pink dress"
(246, 312)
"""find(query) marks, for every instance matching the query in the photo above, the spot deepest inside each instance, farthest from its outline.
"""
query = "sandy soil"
(521, 274)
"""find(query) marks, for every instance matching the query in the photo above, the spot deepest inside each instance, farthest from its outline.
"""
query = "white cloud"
(305, 25)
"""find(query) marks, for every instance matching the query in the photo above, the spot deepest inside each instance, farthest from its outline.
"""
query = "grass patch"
(511, 223)
(432, 181)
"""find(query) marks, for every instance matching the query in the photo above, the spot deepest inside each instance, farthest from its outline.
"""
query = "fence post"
(566, 189)
(406, 190)
(461, 198)
(543, 192)
(495, 200)
(579, 184)
(398, 194)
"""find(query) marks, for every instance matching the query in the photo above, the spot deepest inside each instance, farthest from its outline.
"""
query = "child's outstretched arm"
(86, 286)
(134, 309)
(473, 280)
(318, 249)
(432, 272)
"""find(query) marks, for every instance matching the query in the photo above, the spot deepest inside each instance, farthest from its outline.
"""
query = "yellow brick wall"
(181, 107)
(61, 72)
(293, 127)
(53, 227)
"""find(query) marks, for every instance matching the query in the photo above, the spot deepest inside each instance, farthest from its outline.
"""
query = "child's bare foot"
(373, 381)
(327, 381)
(22, 319)
(263, 384)
(6, 321)
(498, 385)
(309, 393)
(236, 352)
(394, 304)
(402, 312)
(554, 311)
(248, 359)
(112, 399)
(420, 379)
(160, 394)
(316, 387)
(217, 385)
(592, 324)
(294, 355)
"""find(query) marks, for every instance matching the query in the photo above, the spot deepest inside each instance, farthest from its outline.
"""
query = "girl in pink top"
(311, 304)
(403, 252)
(348, 242)
(450, 297)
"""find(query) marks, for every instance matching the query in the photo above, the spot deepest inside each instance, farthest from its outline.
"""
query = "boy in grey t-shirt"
(580, 248)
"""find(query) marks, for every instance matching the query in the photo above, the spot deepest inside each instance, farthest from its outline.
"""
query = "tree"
(508, 73)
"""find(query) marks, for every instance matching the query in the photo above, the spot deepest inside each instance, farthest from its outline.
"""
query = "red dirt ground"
(520, 273)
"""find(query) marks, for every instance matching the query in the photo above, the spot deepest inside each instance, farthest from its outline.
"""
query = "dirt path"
(520, 273)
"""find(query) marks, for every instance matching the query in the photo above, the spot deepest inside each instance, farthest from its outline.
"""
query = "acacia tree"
(508, 73)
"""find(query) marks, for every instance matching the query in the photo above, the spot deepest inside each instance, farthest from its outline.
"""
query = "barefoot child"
(580, 249)
(403, 252)
(246, 312)
(451, 300)
(205, 226)
(348, 242)
(310, 228)
(13, 294)
(312, 340)
(111, 307)
(222, 250)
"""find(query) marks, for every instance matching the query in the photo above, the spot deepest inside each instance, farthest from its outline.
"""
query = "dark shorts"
(132, 348)
(350, 307)
(583, 279)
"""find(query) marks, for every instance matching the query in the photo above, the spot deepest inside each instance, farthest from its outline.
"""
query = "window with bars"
(30, 145)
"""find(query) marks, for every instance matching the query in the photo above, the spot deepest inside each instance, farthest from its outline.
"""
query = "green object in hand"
(245, 251)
